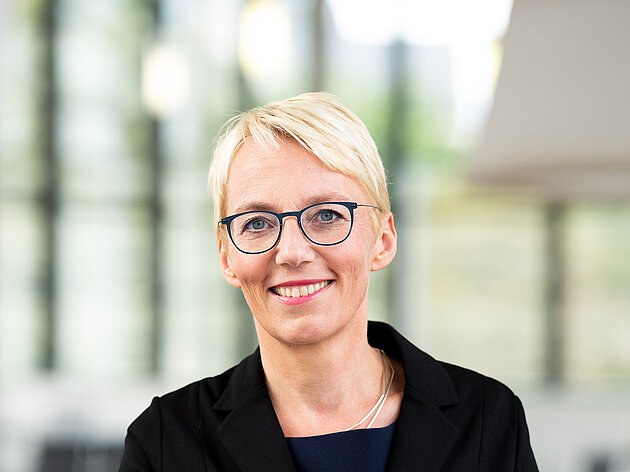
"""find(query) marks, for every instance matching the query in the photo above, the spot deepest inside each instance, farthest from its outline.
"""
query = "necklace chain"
(380, 403)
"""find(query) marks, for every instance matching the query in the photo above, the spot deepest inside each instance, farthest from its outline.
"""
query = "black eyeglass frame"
(351, 206)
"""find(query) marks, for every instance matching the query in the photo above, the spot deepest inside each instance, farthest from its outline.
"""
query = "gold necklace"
(380, 403)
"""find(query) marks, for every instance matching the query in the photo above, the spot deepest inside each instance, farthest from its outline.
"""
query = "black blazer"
(451, 419)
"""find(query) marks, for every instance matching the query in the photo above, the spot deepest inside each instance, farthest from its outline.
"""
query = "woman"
(303, 214)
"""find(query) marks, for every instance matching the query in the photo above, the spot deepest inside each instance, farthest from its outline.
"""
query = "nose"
(293, 248)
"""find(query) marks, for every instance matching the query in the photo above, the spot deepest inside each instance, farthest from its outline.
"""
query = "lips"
(297, 291)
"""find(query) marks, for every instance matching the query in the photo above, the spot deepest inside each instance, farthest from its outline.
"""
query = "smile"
(298, 291)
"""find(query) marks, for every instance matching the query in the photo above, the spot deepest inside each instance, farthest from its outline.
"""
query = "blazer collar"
(423, 374)
(247, 377)
(424, 435)
(251, 432)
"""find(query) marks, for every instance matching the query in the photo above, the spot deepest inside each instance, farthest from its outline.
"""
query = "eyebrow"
(254, 205)
(266, 206)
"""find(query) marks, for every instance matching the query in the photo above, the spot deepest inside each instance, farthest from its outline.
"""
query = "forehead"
(286, 177)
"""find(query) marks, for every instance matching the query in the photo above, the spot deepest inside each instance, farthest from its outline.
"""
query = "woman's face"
(289, 178)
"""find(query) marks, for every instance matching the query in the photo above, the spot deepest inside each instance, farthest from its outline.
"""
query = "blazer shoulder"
(208, 389)
(469, 383)
(463, 377)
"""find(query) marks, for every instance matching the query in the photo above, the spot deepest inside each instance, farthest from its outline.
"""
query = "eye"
(255, 224)
(328, 215)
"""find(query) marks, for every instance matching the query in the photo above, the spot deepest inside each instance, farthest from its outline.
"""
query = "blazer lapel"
(424, 436)
(252, 435)
(251, 432)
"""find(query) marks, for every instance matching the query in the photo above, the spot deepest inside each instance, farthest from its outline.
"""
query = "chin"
(304, 332)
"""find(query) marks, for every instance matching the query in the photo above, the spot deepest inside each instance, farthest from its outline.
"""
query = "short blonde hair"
(322, 125)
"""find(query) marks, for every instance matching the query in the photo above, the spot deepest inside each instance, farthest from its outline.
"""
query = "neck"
(323, 387)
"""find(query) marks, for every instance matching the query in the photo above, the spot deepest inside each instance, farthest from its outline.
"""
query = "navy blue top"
(364, 450)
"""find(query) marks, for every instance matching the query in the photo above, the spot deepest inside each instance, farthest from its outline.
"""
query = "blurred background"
(506, 143)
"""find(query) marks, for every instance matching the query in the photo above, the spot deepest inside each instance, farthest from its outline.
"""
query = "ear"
(226, 266)
(386, 244)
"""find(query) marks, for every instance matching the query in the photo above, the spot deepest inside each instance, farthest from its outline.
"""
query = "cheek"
(254, 292)
(365, 243)
(251, 272)
(256, 300)
(354, 262)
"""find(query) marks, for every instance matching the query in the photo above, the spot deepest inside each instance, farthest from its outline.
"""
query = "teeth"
(299, 291)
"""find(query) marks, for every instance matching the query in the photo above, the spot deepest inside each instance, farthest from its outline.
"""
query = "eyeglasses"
(324, 224)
